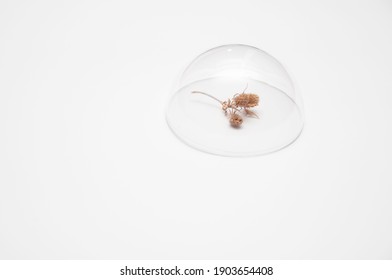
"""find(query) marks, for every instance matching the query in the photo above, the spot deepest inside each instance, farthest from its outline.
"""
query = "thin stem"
(213, 97)
(245, 88)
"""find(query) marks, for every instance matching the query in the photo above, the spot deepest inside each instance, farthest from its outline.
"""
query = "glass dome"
(235, 100)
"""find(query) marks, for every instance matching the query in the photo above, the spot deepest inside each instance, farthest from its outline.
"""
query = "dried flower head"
(246, 100)
(235, 120)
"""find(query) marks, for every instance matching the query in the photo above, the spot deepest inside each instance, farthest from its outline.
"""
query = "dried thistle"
(235, 120)
(246, 100)
(240, 103)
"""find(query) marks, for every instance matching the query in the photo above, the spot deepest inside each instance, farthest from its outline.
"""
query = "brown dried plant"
(237, 105)
(236, 120)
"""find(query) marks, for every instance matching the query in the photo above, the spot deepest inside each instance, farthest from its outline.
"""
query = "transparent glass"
(199, 121)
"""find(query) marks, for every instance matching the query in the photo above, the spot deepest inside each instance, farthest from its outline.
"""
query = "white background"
(89, 168)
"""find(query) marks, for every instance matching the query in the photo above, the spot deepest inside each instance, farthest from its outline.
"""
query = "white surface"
(89, 168)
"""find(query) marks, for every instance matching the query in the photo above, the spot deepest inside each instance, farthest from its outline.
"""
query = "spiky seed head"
(235, 120)
(246, 100)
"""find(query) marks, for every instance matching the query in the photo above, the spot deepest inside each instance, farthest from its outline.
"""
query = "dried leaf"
(250, 113)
